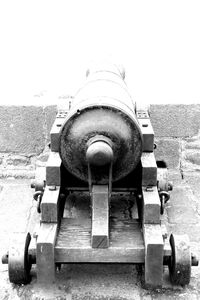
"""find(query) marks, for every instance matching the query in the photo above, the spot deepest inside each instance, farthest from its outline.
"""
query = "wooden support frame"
(148, 134)
(92, 245)
(150, 205)
(53, 175)
(50, 205)
(154, 251)
(149, 169)
(150, 214)
(55, 130)
(45, 251)
(100, 216)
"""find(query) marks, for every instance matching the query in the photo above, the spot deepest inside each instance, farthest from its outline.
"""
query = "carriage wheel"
(19, 262)
(180, 262)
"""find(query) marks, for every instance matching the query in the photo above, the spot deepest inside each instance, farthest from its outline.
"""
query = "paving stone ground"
(93, 281)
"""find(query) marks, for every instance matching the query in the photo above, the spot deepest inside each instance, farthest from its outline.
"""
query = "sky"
(47, 46)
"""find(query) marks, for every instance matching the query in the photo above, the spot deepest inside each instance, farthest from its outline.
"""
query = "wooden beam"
(151, 205)
(154, 250)
(55, 130)
(100, 216)
(45, 253)
(127, 246)
(120, 254)
(149, 169)
(53, 177)
(50, 204)
(148, 134)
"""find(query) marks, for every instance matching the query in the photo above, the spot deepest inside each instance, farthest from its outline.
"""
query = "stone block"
(194, 144)
(182, 207)
(175, 176)
(193, 157)
(182, 195)
(17, 174)
(43, 157)
(17, 160)
(190, 229)
(175, 120)
(179, 214)
(193, 180)
(41, 160)
(21, 129)
(191, 154)
(169, 151)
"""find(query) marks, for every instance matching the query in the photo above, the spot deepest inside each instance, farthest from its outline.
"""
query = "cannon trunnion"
(102, 155)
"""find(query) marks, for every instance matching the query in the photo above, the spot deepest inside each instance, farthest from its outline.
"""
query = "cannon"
(101, 156)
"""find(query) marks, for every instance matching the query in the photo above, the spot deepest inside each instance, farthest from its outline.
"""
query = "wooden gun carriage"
(102, 146)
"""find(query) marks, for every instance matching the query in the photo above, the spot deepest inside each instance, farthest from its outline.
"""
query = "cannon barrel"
(101, 127)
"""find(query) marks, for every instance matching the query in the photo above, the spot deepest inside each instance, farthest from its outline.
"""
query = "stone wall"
(24, 137)
(177, 134)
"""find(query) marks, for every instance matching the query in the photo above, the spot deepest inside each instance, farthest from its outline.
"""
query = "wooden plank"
(50, 205)
(55, 130)
(45, 253)
(98, 255)
(148, 134)
(151, 205)
(73, 242)
(53, 176)
(154, 250)
(149, 169)
(100, 216)
(115, 253)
